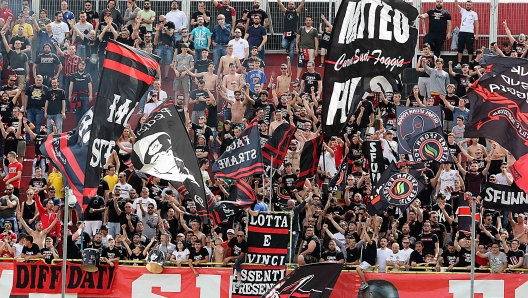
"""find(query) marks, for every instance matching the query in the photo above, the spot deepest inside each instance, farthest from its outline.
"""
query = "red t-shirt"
(338, 154)
(12, 170)
(5, 14)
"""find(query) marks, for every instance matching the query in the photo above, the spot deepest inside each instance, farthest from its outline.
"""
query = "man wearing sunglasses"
(239, 249)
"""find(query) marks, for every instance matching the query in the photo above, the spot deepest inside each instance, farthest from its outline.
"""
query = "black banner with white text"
(374, 154)
(257, 280)
(506, 198)
(268, 238)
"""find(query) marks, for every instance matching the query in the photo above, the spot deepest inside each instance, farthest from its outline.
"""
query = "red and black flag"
(163, 149)
(243, 158)
(338, 182)
(313, 281)
(126, 75)
(499, 110)
(68, 152)
(241, 194)
(268, 238)
(465, 202)
(397, 187)
(309, 160)
(430, 145)
(371, 44)
(276, 147)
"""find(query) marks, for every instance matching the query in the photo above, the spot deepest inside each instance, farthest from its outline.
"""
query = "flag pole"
(65, 239)
(473, 217)
(271, 183)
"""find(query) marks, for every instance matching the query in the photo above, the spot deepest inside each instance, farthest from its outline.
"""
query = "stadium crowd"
(52, 60)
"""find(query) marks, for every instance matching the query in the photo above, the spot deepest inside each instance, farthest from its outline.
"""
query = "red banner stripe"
(268, 230)
(268, 251)
(112, 47)
(257, 168)
(129, 71)
(464, 211)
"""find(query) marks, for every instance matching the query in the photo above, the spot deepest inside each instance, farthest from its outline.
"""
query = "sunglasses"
(284, 68)
(240, 235)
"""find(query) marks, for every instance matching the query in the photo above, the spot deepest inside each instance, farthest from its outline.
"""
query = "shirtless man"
(474, 148)
(238, 106)
(210, 78)
(278, 121)
(232, 76)
(284, 80)
(39, 235)
(497, 155)
(195, 228)
(520, 230)
(225, 61)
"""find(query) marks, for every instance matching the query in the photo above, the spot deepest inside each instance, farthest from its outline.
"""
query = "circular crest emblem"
(401, 189)
(430, 146)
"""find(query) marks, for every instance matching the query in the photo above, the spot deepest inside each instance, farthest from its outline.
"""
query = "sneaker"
(458, 66)
(70, 223)
(140, 111)
(166, 79)
(321, 65)
(239, 283)
(363, 286)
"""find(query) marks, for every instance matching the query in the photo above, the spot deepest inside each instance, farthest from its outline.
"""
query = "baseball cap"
(390, 132)
(180, 235)
(231, 231)
(103, 227)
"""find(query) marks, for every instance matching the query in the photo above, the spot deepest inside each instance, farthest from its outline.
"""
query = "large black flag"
(338, 182)
(277, 145)
(126, 75)
(370, 39)
(503, 197)
(499, 110)
(163, 149)
(243, 158)
(68, 152)
(313, 281)
(430, 145)
(414, 121)
(397, 187)
(309, 160)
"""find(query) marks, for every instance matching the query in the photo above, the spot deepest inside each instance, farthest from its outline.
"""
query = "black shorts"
(309, 259)
(467, 39)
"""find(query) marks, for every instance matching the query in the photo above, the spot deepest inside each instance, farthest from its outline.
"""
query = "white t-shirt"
(181, 255)
(59, 31)
(144, 202)
(239, 47)
(382, 259)
(205, 176)
(468, 20)
(124, 189)
(406, 254)
(329, 164)
(501, 178)
(448, 182)
(396, 258)
(150, 106)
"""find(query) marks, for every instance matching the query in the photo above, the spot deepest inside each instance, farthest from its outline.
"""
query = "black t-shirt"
(211, 112)
(103, 185)
(201, 149)
(6, 110)
(472, 66)
(96, 202)
(200, 105)
(449, 258)
(238, 248)
(24, 40)
(47, 254)
(111, 253)
(484, 239)
(91, 16)
(198, 256)
(39, 183)
(429, 61)
(441, 217)
(248, 63)
(332, 256)
(370, 253)
(337, 210)
(206, 12)
(316, 253)
(463, 81)
(31, 251)
(73, 251)
(352, 255)
(438, 21)
(289, 179)
(37, 96)
(311, 80)
(201, 66)
(514, 256)
(46, 64)
(453, 100)
(17, 60)
(92, 53)
(112, 214)
(438, 229)
(464, 256)
(429, 241)
(201, 131)
(263, 15)
(133, 219)
(417, 257)
(55, 99)
(80, 81)
(365, 119)
(164, 38)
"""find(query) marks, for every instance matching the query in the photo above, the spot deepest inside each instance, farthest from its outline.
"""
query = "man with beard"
(310, 249)
(92, 16)
(429, 240)
(55, 106)
(38, 234)
(332, 255)
(256, 35)
(97, 242)
(257, 11)
(450, 258)
(414, 223)
(396, 258)
(91, 46)
(291, 24)
(111, 253)
(45, 35)
(46, 63)
(473, 177)
(438, 228)
(238, 106)
(469, 30)
(80, 90)
(201, 36)
(18, 60)
(444, 212)
(113, 212)
(228, 11)
(439, 22)
(34, 101)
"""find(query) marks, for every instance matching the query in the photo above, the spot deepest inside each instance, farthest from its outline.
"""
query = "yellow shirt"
(28, 30)
(55, 180)
(112, 181)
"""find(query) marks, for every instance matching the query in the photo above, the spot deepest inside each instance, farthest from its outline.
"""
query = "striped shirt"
(70, 63)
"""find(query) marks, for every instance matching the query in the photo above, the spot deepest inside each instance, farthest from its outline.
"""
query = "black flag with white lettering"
(338, 182)
(268, 238)
(505, 198)
(369, 39)
(312, 281)
(126, 75)
(243, 158)
(163, 149)
(277, 145)
(309, 160)
(374, 154)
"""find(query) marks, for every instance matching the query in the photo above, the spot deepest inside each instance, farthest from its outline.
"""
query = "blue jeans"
(290, 46)
(81, 110)
(261, 54)
(114, 228)
(58, 123)
(41, 164)
(198, 55)
(177, 36)
(238, 264)
(218, 52)
(166, 54)
(227, 114)
(35, 116)
(143, 99)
